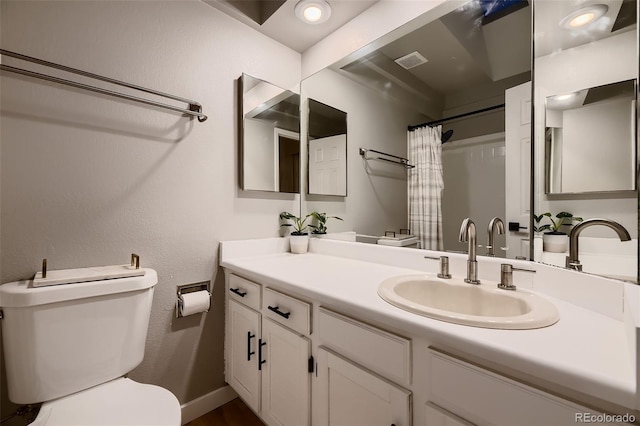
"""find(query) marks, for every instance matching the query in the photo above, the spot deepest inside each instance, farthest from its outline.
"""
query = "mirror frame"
(242, 148)
(634, 148)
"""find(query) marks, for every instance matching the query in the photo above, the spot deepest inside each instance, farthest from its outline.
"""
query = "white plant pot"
(299, 243)
(555, 243)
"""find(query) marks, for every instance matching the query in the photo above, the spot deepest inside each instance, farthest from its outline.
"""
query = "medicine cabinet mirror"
(590, 139)
(327, 150)
(269, 131)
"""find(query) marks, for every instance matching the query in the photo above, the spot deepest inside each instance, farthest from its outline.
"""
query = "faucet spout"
(468, 234)
(495, 224)
(572, 260)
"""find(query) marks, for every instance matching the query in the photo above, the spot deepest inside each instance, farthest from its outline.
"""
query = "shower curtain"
(425, 186)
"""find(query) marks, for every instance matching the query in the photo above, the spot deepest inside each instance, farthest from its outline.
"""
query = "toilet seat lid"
(118, 402)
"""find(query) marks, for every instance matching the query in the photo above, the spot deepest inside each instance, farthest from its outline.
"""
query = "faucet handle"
(575, 265)
(444, 266)
(506, 277)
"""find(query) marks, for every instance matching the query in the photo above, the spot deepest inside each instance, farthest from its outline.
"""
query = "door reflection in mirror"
(327, 150)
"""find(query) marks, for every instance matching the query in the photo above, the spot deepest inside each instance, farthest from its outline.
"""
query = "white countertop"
(584, 350)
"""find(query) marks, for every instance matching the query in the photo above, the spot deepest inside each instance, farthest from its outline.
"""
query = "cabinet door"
(286, 381)
(438, 416)
(352, 396)
(243, 331)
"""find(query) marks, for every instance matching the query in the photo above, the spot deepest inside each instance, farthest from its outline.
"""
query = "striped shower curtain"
(425, 184)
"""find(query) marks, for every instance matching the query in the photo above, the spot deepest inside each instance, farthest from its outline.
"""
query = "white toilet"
(69, 346)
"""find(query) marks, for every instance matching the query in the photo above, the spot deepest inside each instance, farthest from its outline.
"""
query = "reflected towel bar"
(398, 160)
(194, 109)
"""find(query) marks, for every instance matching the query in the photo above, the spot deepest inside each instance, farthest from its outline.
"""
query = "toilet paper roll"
(195, 302)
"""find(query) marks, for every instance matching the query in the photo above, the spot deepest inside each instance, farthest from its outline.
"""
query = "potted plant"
(555, 240)
(321, 222)
(299, 238)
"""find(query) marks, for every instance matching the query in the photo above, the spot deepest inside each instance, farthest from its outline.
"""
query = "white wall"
(606, 61)
(87, 179)
(376, 191)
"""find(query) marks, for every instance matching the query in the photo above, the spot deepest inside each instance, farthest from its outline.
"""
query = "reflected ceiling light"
(584, 16)
(564, 97)
(313, 11)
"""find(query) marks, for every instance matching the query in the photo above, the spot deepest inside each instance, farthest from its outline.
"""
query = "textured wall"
(87, 179)
(376, 191)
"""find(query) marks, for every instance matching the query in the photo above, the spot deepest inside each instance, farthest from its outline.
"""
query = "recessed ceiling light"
(584, 16)
(313, 11)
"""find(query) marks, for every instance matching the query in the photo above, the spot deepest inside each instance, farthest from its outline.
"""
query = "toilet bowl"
(69, 347)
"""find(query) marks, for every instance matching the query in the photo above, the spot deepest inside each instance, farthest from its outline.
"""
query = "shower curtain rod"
(466, 114)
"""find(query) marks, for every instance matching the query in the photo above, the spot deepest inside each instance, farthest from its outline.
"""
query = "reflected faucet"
(572, 261)
(494, 224)
(468, 234)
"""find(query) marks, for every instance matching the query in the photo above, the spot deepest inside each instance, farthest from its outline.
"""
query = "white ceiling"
(283, 26)
(464, 52)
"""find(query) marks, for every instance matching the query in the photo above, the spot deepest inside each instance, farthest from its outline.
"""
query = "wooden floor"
(233, 413)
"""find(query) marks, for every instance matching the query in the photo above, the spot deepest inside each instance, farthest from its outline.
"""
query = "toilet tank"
(66, 338)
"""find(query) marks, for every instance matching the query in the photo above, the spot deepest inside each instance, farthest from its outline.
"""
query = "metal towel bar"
(194, 109)
(395, 159)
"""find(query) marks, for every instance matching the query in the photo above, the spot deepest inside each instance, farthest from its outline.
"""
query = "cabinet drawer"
(385, 353)
(244, 291)
(286, 310)
(485, 397)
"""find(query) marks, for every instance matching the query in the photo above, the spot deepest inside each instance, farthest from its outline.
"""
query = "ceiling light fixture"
(313, 11)
(584, 16)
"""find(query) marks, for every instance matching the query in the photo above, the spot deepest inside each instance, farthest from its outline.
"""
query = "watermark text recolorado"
(604, 418)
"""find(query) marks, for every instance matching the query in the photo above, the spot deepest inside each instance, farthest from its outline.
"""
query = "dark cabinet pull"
(279, 312)
(261, 361)
(238, 292)
(249, 351)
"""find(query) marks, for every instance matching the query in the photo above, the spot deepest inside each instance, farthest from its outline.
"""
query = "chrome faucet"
(468, 234)
(494, 224)
(572, 261)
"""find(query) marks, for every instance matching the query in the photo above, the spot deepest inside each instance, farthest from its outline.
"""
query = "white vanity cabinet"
(462, 393)
(357, 365)
(267, 363)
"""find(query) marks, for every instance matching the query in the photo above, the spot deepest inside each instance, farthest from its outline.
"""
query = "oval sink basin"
(476, 305)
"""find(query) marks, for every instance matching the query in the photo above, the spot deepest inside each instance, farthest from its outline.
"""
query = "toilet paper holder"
(190, 288)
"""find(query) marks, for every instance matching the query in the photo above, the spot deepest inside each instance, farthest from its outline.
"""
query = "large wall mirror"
(269, 137)
(590, 139)
(585, 128)
(327, 150)
(482, 60)
(459, 64)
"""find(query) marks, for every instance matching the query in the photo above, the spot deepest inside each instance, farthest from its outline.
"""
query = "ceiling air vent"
(411, 60)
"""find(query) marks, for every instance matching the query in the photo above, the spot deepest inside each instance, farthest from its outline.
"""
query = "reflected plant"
(561, 219)
(321, 220)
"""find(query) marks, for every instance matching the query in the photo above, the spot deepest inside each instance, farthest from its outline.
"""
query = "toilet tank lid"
(22, 293)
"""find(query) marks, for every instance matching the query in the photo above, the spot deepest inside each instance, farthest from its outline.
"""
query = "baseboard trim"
(202, 405)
